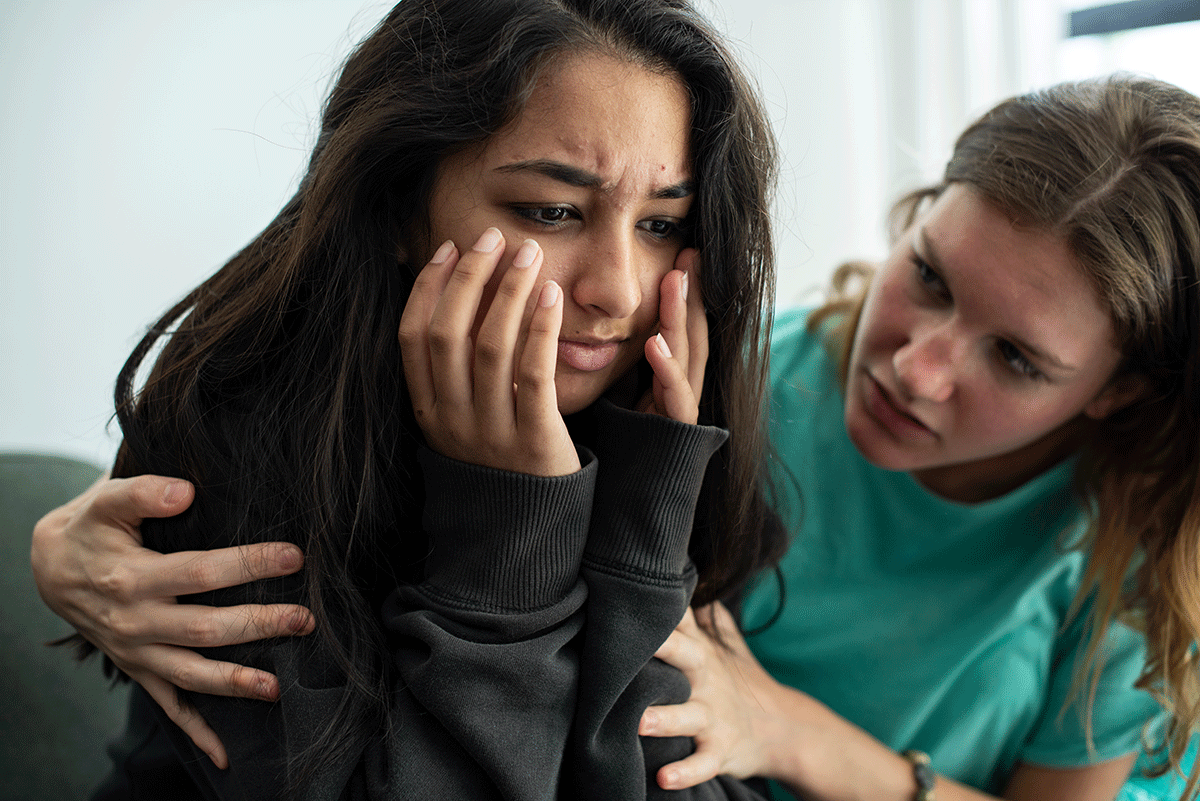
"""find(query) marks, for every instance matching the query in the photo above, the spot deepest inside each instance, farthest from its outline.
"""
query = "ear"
(1120, 392)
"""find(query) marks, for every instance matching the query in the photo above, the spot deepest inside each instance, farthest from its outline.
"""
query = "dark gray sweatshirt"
(522, 662)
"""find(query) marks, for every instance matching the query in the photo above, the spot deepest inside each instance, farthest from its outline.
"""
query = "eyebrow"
(928, 253)
(574, 176)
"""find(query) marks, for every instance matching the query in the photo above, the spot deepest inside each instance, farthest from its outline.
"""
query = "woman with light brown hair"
(994, 442)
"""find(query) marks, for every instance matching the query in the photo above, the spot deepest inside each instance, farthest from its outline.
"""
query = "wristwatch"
(923, 773)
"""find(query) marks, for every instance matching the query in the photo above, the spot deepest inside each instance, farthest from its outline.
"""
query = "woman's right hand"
(488, 399)
(91, 569)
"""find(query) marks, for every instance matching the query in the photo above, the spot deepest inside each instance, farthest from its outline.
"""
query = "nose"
(608, 279)
(926, 366)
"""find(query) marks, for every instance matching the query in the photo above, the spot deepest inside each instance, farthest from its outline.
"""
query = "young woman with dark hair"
(503, 510)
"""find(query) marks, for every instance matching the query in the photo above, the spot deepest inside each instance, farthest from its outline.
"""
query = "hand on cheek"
(461, 385)
(679, 352)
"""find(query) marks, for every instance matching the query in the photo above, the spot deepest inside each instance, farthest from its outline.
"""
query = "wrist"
(834, 760)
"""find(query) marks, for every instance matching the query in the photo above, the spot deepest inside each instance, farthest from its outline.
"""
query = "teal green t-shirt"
(931, 624)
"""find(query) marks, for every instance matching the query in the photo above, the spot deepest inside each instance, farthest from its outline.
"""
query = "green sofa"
(56, 714)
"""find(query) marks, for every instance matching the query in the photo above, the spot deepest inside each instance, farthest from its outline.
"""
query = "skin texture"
(91, 569)
(597, 170)
(980, 356)
(747, 724)
(980, 351)
(613, 253)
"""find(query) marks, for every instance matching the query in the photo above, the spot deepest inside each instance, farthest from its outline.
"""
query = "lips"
(587, 356)
(884, 408)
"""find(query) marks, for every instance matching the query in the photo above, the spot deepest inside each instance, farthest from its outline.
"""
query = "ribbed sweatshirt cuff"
(504, 541)
(651, 470)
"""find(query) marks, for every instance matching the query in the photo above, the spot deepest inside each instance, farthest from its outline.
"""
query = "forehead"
(627, 124)
(1018, 279)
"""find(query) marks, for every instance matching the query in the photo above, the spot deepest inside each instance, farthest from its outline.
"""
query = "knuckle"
(490, 350)
(469, 270)
(535, 375)
(118, 583)
(241, 679)
(441, 338)
(182, 675)
(201, 630)
(409, 334)
(143, 493)
(121, 626)
(202, 574)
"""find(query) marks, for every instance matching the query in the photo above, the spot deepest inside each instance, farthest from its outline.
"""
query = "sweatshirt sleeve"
(483, 651)
(639, 580)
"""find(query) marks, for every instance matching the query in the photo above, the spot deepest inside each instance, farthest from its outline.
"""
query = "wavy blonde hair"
(1113, 166)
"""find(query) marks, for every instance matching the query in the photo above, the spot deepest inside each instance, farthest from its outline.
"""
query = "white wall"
(142, 143)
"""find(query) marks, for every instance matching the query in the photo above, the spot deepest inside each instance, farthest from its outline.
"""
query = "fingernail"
(443, 253)
(662, 344)
(526, 255)
(174, 492)
(649, 721)
(549, 295)
(670, 779)
(488, 242)
(685, 286)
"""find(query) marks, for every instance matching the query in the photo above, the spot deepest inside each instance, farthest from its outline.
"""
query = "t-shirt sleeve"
(1119, 713)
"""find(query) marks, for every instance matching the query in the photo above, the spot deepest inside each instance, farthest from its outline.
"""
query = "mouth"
(882, 405)
(588, 355)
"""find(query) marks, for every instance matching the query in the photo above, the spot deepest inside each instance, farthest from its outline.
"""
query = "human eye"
(545, 216)
(662, 229)
(930, 280)
(1016, 361)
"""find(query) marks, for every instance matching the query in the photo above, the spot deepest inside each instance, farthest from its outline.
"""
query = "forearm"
(821, 756)
(639, 583)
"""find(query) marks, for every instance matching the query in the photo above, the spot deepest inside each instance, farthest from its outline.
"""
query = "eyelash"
(1010, 355)
(1017, 362)
(535, 215)
(929, 279)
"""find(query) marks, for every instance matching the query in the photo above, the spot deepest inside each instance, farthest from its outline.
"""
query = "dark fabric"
(523, 661)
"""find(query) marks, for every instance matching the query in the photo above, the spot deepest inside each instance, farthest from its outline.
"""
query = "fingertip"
(217, 755)
(649, 722)
(548, 296)
(177, 494)
(290, 558)
(267, 688)
(669, 778)
(301, 622)
(443, 253)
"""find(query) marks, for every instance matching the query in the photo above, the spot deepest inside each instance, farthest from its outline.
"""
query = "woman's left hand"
(728, 712)
(679, 352)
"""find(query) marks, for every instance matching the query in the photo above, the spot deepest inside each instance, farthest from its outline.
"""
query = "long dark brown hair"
(279, 391)
(1113, 166)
